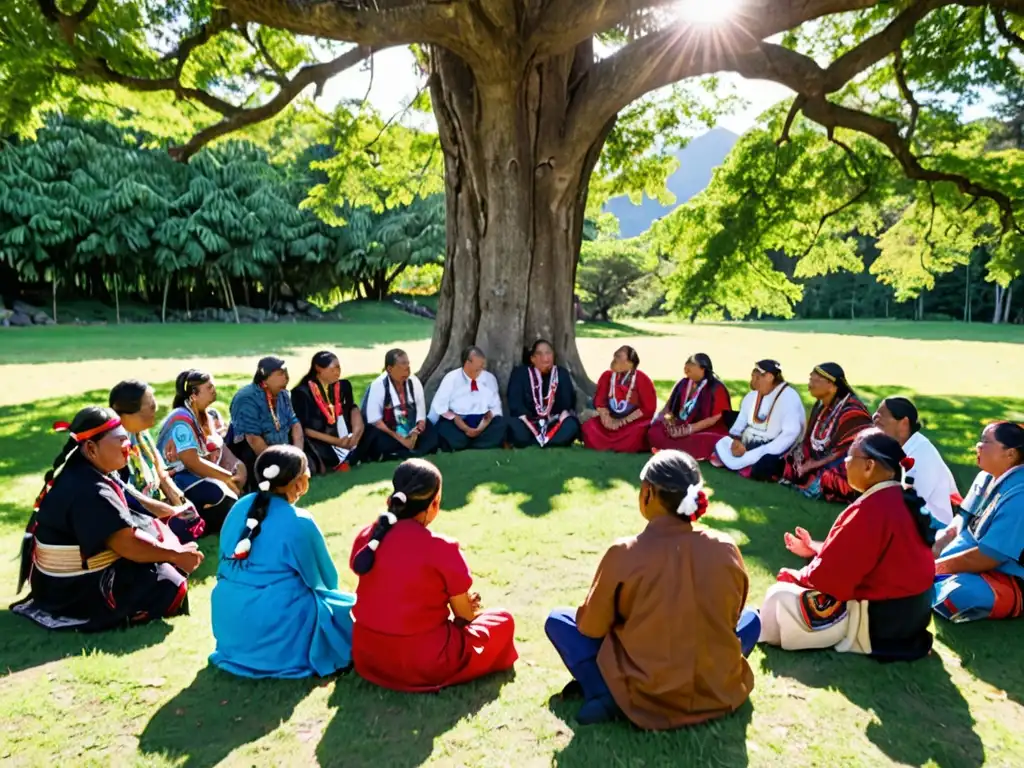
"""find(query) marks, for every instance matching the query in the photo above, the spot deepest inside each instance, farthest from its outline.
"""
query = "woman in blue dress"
(979, 571)
(277, 611)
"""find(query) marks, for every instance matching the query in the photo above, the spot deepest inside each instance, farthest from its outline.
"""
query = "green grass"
(533, 526)
(366, 324)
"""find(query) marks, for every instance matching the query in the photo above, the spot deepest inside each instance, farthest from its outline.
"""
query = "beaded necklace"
(825, 425)
(542, 403)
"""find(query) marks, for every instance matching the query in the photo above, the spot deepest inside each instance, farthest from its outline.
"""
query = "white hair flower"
(264, 485)
(399, 496)
(688, 506)
(242, 548)
(391, 517)
(374, 543)
(272, 471)
(251, 523)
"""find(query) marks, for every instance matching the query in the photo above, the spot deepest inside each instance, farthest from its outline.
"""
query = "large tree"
(526, 93)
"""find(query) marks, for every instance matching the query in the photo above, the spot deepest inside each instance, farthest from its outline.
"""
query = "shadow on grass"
(218, 713)
(982, 647)
(378, 727)
(919, 715)
(24, 644)
(721, 742)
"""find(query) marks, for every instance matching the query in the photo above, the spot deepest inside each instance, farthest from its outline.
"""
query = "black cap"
(768, 366)
(269, 365)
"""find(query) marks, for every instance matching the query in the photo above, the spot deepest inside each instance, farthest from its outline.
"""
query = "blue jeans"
(579, 652)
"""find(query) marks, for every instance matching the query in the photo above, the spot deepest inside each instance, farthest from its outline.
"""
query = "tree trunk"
(1008, 302)
(117, 299)
(997, 315)
(54, 281)
(516, 195)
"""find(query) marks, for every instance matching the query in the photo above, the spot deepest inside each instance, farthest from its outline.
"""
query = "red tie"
(473, 387)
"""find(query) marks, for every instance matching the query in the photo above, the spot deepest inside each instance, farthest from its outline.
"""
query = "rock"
(288, 308)
(22, 308)
(301, 305)
(41, 318)
(20, 320)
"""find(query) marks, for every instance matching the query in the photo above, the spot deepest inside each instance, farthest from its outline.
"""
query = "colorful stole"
(621, 406)
(824, 425)
(142, 467)
(690, 403)
(330, 410)
(399, 422)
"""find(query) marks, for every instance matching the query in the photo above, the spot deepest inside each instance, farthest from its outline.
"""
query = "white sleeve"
(375, 402)
(494, 404)
(736, 430)
(442, 399)
(792, 427)
(421, 407)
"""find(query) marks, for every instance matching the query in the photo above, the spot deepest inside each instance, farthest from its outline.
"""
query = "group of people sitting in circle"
(112, 538)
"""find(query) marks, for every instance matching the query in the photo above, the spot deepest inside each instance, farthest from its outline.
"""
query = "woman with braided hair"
(868, 587)
(93, 562)
(277, 610)
(191, 443)
(662, 635)
(418, 627)
(981, 553)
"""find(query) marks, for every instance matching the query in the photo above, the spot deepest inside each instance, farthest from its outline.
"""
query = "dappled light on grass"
(533, 526)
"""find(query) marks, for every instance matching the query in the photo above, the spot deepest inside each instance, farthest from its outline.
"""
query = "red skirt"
(631, 438)
(700, 445)
(448, 655)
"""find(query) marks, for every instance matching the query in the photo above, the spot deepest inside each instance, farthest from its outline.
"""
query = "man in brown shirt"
(664, 617)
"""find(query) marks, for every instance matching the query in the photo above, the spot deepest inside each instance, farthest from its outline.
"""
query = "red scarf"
(328, 409)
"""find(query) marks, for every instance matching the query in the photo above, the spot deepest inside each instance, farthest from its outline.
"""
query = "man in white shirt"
(898, 418)
(467, 406)
(769, 422)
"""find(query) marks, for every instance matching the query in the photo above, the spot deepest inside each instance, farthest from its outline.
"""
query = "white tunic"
(375, 399)
(456, 394)
(774, 434)
(932, 479)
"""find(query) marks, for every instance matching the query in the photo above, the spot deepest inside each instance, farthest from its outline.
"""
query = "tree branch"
(684, 50)
(313, 74)
(219, 21)
(1004, 29)
(93, 68)
(375, 23)
(899, 68)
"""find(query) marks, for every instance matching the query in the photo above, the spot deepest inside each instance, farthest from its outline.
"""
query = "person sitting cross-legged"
(395, 412)
(541, 401)
(663, 634)
(868, 586)
(980, 554)
(467, 406)
(769, 423)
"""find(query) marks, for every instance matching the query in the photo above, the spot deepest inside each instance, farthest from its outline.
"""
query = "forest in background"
(321, 209)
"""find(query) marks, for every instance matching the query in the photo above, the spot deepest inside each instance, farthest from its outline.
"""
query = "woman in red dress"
(626, 402)
(418, 628)
(693, 420)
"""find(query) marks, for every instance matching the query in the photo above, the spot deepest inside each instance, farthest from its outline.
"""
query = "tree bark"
(1008, 302)
(997, 316)
(517, 192)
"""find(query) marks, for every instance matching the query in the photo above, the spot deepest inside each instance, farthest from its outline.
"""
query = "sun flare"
(709, 13)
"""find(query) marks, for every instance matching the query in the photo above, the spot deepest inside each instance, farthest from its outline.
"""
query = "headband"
(81, 437)
(824, 374)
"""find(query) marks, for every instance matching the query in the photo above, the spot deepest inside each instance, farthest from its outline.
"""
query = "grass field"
(533, 526)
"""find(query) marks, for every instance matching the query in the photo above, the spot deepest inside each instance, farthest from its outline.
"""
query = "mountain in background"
(697, 161)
